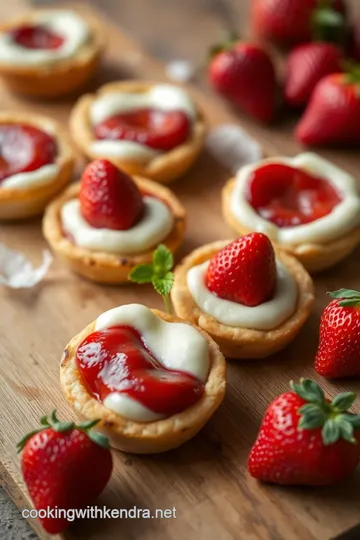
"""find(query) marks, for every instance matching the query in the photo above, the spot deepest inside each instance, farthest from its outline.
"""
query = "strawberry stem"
(61, 427)
(328, 25)
(227, 42)
(333, 418)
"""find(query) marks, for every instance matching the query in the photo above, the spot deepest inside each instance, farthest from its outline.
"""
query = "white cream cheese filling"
(67, 24)
(164, 97)
(177, 346)
(33, 179)
(266, 316)
(154, 226)
(344, 217)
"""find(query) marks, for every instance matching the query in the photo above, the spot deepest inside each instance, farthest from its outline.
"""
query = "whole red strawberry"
(288, 22)
(338, 353)
(244, 73)
(64, 466)
(332, 116)
(109, 198)
(306, 65)
(244, 271)
(306, 440)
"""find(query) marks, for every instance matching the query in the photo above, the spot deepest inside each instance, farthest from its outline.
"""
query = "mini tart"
(110, 268)
(144, 437)
(235, 342)
(22, 203)
(163, 168)
(56, 78)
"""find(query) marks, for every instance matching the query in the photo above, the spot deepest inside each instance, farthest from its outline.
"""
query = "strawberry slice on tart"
(305, 204)
(109, 222)
(49, 53)
(147, 129)
(151, 378)
(250, 297)
(36, 162)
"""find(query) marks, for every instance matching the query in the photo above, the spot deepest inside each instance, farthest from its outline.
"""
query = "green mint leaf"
(344, 293)
(330, 432)
(163, 260)
(143, 273)
(343, 401)
(163, 285)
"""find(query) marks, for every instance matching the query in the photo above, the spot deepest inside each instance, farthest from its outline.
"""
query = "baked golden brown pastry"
(325, 240)
(49, 52)
(139, 429)
(243, 341)
(157, 135)
(100, 253)
(37, 162)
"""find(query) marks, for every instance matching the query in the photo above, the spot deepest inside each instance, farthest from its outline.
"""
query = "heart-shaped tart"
(109, 222)
(36, 162)
(305, 204)
(153, 380)
(153, 130)
(49, 52)
(251, 298)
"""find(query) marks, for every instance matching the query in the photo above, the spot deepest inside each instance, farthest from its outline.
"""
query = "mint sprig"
(159, 273)
(332, 417)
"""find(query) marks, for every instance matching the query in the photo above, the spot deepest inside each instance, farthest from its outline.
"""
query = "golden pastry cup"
(21, 203)
(163, 168)
(60, 77)
(235, 342)
(144, 437)
(109, 268)
(314, 257)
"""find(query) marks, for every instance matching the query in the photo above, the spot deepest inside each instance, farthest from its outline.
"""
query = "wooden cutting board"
(206, 479)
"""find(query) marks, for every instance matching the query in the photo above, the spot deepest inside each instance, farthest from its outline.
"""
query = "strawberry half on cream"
(109, 222)
(251, 298)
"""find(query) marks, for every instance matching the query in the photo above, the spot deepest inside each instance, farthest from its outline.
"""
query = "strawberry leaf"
(344, 293)
(143, 273)
(349, 302)
(346, 430)
(99, 439)
(354, 419)
(308, 390)
(330, 432)
(342, 402)
(163, 260)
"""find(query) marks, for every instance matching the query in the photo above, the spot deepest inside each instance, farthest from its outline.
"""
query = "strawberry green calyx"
(62, 427)
(333, 417)
(158, 273)
(347, 297)
(328, 24)
(227, 43)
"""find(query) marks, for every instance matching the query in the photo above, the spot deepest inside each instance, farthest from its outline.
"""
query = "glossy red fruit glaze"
(24, 148)
(109, 198)
(244, 271)
(288, 196)
(338, 354)
(284, 454)
(36, 37)
(118, 360)
(64, 470)
(161, 130)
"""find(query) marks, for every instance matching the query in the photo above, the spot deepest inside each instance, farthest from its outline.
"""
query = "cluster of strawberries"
(321, 75)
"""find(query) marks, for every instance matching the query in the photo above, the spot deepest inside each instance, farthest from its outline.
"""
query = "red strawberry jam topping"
(117, 359)
(36, 37)
(288, 196)
(161, 130)
(24, 148)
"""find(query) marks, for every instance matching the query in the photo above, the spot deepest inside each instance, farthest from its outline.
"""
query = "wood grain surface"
(206, 479)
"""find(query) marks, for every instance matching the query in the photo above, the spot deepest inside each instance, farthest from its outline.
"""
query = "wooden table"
(206, 479)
